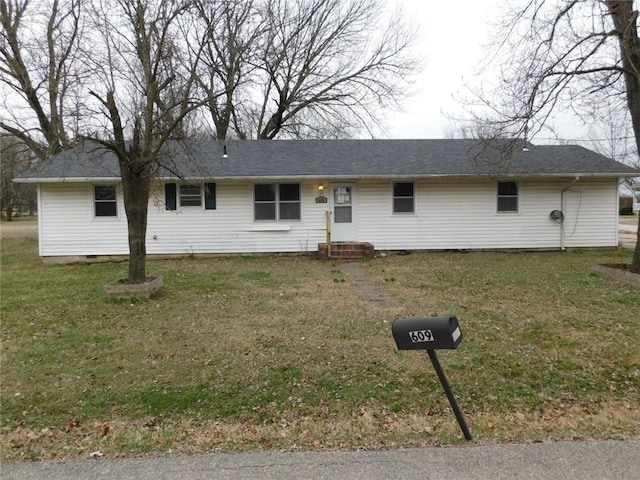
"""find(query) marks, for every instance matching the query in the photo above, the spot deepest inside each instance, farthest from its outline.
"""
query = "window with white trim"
(508, 197)
(276, 201)
(403, 197)
(190, 195)
(105, 201)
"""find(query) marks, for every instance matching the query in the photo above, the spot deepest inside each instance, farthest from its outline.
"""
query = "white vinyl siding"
(231, 227)
(449, 214)
(68, 225)
(461, 214)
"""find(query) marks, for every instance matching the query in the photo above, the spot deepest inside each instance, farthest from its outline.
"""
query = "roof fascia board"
(342, 178)
(67, 180)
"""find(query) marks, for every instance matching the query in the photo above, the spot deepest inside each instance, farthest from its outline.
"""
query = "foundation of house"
(346, 250)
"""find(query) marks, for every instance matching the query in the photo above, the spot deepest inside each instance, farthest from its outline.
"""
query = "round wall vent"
(556, 216)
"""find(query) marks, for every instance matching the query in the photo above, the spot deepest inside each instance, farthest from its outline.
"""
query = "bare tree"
(563, 55)
(611, 135)
(144, 96)
(231, 29)
(331, 64)
(40, 71)
(130, 96)
(127, 72)
(14, 159)
(304, 68)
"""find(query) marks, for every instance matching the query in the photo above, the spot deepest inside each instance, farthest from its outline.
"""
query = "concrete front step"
(346, 250)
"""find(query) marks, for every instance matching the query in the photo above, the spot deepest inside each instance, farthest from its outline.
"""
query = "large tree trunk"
(8, 209)
(136, 183)
(624, 19)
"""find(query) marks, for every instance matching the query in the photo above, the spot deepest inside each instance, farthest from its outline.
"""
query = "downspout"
(40, 231)
(562, 192)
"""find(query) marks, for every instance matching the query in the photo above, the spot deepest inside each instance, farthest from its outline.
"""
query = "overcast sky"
(452, 35)
(453, 40)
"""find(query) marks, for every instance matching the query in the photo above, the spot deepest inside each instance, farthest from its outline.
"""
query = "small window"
(190, 195)
(342, 204)
(105, 201)
(403, 197)
(210, 196)
(273, 201)
(508, 196)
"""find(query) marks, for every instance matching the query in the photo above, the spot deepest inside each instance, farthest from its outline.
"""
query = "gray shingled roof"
(345, 159)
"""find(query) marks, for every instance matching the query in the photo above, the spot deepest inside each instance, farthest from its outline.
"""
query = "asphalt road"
(615, 460)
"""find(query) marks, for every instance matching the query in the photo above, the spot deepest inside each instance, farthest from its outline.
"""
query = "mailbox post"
(429, 334)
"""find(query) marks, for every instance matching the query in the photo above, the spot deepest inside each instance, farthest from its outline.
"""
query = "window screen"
(508, 196)
(105, 200)
(403, 197)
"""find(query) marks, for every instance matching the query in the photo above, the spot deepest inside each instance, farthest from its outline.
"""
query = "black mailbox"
(429, 333)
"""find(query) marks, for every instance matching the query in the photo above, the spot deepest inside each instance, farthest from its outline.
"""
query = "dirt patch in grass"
(26, 227)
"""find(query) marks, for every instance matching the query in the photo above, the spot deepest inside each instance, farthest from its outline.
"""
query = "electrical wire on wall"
(563, 233)
(575, 223)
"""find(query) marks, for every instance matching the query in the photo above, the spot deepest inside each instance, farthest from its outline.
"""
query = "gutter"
(326, 177)
(67, 180)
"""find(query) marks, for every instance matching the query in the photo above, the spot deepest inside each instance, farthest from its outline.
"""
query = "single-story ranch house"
(251, 196)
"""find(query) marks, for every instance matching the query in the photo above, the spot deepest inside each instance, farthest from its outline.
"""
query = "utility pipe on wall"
(562, 192)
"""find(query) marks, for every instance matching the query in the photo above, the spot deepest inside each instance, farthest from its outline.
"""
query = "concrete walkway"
(627, 235)
(612, 460)
(372, 292)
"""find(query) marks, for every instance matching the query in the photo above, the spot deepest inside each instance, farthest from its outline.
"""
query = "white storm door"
(343, 213)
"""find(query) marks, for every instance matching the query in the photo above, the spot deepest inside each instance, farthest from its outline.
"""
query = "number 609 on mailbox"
(428, 333)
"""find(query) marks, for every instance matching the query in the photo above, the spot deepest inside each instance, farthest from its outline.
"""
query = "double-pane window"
(105, 201)
(403, 197)
(273, 201)
(508, 193)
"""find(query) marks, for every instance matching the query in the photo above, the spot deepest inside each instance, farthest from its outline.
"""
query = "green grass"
(245, 353)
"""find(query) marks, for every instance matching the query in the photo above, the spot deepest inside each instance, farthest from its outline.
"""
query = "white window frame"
(277, 202)
(507, 196)
(394, 198)
(97, 201)
(190, 196)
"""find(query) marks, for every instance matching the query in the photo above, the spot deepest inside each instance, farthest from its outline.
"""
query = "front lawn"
(268, 352)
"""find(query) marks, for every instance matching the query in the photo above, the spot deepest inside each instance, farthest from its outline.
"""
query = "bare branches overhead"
(578, 55)
(547, 54)
(39, 64)
(304, 68)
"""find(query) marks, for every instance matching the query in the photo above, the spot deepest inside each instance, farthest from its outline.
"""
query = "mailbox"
(429, 333)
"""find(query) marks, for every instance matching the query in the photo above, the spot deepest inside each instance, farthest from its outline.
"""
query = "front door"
(343, 212)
